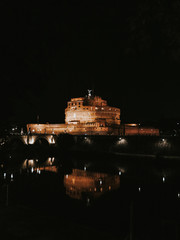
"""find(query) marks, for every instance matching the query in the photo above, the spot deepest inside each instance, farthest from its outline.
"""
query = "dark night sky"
(128, 52)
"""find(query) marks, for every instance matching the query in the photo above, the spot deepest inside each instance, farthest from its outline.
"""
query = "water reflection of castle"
(91, 184)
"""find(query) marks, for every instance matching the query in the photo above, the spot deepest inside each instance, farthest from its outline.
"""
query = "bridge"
(122, 145)
(30, 139)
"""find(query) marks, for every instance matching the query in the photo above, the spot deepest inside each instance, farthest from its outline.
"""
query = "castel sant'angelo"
(91, 115)
(84, 115)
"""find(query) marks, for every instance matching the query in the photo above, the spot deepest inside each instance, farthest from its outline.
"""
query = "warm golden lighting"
(137, 129)
(94, 183)
(90, 115)
(34, 166)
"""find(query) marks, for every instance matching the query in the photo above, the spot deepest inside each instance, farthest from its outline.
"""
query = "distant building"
(137, 129)
(84, 115)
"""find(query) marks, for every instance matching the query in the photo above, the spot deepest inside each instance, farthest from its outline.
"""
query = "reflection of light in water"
(36, 168)
(94, 184)
(28, 163)
(50, 161)
(46, 169)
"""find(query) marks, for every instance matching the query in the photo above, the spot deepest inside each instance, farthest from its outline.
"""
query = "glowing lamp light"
(12, 176)
(4, 175)
(122, 141)
(139, 189)
(178, 195)
(164, 179)
(31, 141)
(31, 162)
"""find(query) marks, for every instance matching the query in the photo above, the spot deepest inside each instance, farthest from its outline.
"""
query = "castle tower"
(92, 111)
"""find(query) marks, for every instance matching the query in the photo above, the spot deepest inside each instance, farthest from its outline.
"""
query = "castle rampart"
(84, 115)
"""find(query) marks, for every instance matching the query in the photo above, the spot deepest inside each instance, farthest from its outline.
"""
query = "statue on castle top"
(89, 92)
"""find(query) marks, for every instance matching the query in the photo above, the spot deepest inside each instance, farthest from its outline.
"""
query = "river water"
(99, 194)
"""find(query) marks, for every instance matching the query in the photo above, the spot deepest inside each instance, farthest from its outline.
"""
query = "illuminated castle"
(84, 115)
